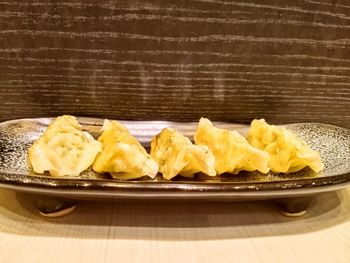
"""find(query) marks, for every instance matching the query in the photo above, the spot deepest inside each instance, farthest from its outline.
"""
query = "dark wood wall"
(285, 60)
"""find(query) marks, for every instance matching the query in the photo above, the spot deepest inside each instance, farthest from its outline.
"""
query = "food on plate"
(231, 150)
(176, 154)
(287, 152)
(64, 149)
(122, 155)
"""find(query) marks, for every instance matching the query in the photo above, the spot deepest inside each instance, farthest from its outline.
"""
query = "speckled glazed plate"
(332, 142)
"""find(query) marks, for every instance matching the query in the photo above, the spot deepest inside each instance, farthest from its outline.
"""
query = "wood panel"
(287, 61)
(176, 232)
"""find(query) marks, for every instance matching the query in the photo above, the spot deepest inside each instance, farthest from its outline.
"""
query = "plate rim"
(48, 184)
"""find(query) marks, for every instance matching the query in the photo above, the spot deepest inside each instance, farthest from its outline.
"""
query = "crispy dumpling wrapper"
(176, 154)
(231, 150)
(64, 149)
(122, 155)
(287, 152)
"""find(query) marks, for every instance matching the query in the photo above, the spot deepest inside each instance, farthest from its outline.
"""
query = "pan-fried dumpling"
(231, 150)
(287, 152)
(122, 155)
(64, 149)
(176, 154)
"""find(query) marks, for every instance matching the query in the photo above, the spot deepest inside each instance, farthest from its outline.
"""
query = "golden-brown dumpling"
(64, 149)
(122, 155)
(231, 150)
(177, 155)
(287, 152)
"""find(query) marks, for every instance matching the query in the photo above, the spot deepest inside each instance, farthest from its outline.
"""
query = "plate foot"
(54, 207)
(294, 206)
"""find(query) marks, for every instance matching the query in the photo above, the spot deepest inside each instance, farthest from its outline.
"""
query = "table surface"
(176, 232)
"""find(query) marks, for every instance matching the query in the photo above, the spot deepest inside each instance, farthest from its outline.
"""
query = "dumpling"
(122, 155)
(176, 154)
(64, 149)
(231, 150)
(287, 153)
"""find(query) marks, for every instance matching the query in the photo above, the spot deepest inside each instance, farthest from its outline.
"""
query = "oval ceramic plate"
(332, 142)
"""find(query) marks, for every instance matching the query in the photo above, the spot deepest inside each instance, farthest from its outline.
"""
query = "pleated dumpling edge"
(287, 152)
(176, 154)
(122, 155)
(64, 149)
(231, 150)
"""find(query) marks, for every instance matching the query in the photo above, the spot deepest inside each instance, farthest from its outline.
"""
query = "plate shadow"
(169, 220)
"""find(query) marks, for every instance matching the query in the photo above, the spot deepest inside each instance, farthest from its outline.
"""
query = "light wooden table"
(176, 232)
